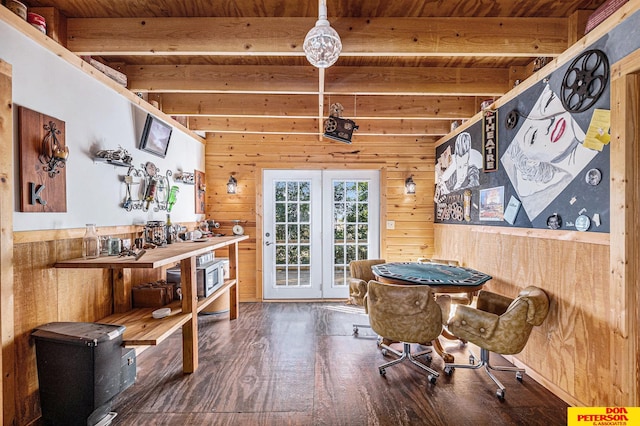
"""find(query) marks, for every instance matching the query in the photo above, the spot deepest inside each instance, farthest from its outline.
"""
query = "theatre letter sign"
(490, 140)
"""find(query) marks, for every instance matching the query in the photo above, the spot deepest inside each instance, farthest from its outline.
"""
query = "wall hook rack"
(147, 188)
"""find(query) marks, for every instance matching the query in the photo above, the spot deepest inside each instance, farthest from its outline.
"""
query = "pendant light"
(322, 45)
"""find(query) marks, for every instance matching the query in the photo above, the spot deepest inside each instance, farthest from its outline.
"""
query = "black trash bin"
(78, 371)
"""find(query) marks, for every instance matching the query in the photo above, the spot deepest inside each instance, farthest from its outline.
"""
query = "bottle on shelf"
(150, 194)
(169, 230)
(173, 195)
(90, 242)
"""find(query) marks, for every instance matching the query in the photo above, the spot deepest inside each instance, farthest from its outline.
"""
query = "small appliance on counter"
(210, 273)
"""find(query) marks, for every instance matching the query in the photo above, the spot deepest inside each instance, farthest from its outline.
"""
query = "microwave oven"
(209, 277)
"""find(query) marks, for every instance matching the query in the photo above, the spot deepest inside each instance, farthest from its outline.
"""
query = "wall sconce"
(232, 185)
(410, 185)
(52, 154)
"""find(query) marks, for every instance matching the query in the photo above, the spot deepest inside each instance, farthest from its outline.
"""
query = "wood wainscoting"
(569, 352)
(43, 294)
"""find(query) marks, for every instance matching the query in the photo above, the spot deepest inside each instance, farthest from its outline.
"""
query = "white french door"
(315, 223)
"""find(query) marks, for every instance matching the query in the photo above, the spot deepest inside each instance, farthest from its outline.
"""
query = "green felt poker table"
(444, 278)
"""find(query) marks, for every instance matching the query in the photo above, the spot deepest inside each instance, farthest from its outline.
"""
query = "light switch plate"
(391, 224)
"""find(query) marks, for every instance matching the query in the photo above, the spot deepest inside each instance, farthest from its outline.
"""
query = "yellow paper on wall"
(599, 131)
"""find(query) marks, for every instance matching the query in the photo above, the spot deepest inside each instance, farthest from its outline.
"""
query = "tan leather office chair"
(361, 274)
(407, 314)
(499, 324)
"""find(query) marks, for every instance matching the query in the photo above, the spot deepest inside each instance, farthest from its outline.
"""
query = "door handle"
(268, 243)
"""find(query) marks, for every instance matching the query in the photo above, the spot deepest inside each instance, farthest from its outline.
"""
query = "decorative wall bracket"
(188, 178)
(147, 188)
(43, 154)
(52, 153)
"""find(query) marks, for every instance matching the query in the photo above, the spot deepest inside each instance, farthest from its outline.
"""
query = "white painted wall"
(96, 117)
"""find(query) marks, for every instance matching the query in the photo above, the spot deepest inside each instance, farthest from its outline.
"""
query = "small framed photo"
(155, 136)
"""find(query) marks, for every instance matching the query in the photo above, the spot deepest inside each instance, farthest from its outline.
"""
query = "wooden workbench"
(142, 330)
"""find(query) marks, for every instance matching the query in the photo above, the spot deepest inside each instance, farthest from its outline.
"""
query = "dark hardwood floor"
(298, 364)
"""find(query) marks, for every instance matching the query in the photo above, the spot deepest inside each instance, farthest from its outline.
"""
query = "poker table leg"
(447, 357)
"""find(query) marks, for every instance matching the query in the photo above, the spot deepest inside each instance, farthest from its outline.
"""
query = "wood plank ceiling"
(408, 68)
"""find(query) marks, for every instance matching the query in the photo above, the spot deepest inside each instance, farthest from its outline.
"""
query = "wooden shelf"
(144, 330)
(203, 303)
(141, 329)
(154, 258)
(112, 162)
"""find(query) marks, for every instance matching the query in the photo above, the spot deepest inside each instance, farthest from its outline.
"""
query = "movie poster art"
(459, 169)
(546, 154)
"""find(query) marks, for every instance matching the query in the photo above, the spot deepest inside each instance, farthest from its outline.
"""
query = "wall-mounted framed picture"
(155, 136)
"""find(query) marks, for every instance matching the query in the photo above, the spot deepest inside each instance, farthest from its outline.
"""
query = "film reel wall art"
(585, 81)
(544, 155)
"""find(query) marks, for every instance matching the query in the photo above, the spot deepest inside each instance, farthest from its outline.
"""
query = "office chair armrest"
(469, 323)
(357, 291)
(493, 302)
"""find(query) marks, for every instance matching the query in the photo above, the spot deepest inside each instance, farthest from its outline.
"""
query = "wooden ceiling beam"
(237, 139)
(277, 36)
(223, 78)
(418, 81)
(299, 106)
(309, 126)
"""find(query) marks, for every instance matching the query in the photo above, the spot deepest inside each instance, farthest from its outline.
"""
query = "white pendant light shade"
(322, 45)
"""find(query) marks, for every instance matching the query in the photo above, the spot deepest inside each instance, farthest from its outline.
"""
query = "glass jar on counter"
(90, 242)
(115, 246)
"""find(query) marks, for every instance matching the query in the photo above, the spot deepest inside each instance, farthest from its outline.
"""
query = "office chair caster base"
(385, 349)
(406, 355)
(484, 364)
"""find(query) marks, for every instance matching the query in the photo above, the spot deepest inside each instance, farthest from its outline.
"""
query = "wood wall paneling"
(625, 197)
(7, 188)
(246, 157)
(577, 328)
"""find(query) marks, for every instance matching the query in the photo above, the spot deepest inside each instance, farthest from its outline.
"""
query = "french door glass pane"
(293, 233)
(350, 226)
